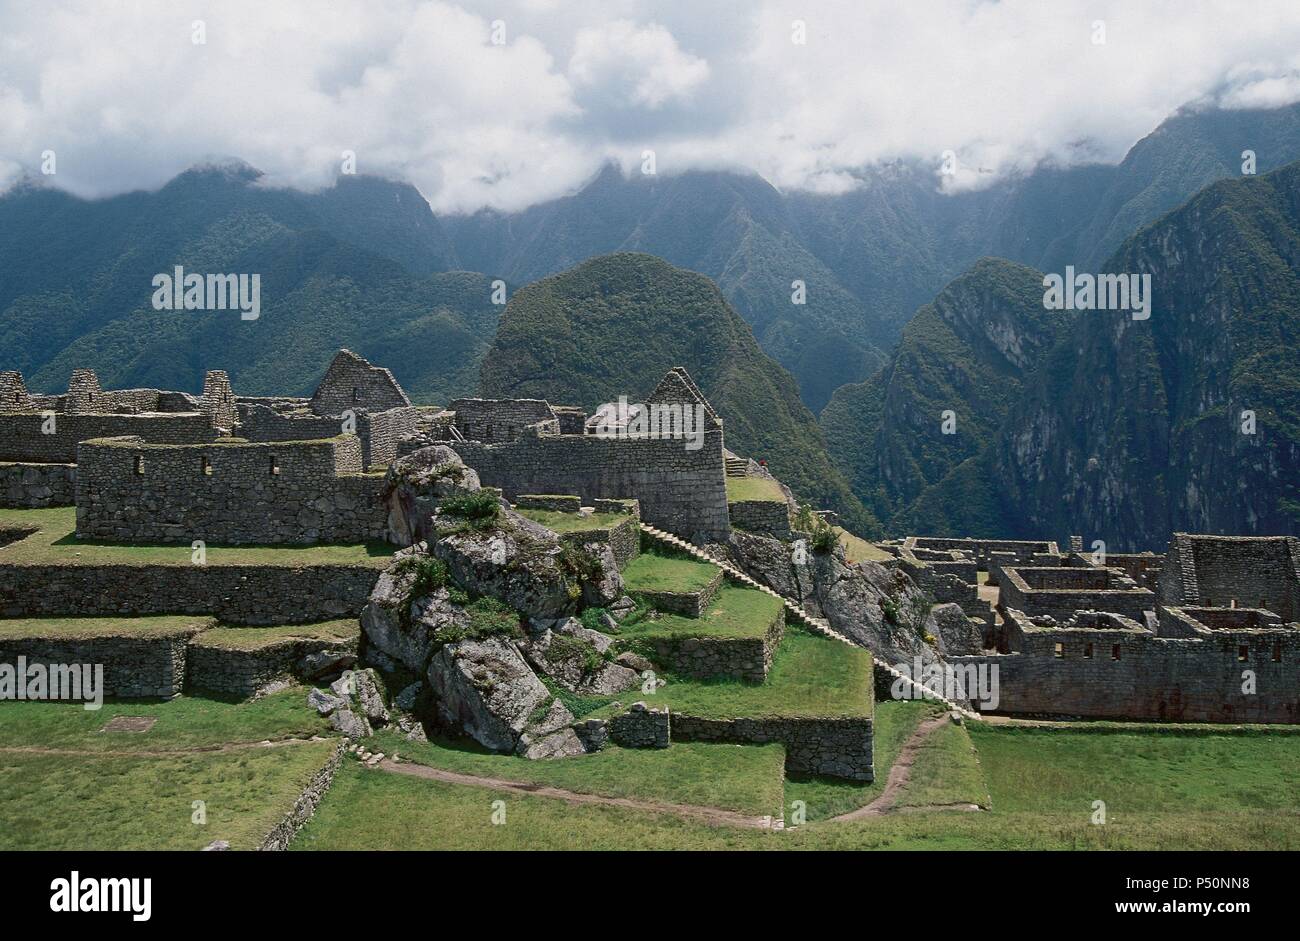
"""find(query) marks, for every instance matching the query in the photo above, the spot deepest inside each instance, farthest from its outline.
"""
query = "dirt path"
(714, 816)
(899, 775)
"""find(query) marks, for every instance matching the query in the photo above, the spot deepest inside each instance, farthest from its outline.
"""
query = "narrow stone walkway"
(714, 816)
(899, 775)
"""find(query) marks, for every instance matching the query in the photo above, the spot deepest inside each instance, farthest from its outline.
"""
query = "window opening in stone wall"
(1087, 651)
(275, 466)
(139, 464)
(1243, 653)
(1277, 653)
(1060, 651)
(205, 465)
(1114, 651)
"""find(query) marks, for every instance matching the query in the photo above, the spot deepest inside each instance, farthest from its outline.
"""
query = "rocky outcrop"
(955, 634)
(875, 606)
(416, 484)
(485, 689)
(576, 658)
(515, 561)
(403, 627)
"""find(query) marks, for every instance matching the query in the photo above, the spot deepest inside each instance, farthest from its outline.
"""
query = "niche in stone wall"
(139, 464)
(275, 466)
(205, 466)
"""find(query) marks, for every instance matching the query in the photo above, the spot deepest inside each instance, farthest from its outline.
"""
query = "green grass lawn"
(254, 638)
(744, 778)
(559, 522)
(810, 676)
(736, 612)
(119, 802)
(651, 572)
(91, 627)
(1239, 804)
(55, 542)
(947, 771)
(753, 488)
(183, 722)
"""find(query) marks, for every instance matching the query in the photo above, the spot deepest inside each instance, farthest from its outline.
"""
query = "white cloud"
(641, 64)
(418, 90)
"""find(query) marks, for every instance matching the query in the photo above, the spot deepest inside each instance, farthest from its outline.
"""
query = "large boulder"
(575, 657)
(956, 634)
(485, 689)
(514, 560)
(416, 484)
(605, 586)
(402, 624)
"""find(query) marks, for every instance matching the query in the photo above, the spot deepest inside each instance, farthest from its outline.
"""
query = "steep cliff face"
(1132, 429)
(967, 354)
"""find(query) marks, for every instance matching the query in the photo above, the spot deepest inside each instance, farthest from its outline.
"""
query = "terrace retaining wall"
(31, 486)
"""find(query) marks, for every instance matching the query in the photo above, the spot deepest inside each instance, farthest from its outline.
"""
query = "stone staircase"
(737, 466)
(817, 625)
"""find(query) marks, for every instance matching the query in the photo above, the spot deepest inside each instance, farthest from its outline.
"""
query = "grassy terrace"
(91, 627)
(753, 488)
(810, 676)
(859, 550)
(744, 778)
(185, 722)
(735, 612)
(573, 522)
(650, 572)
(54, 542)
(255, 638)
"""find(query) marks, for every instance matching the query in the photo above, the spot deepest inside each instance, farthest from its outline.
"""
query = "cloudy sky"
(507, 102)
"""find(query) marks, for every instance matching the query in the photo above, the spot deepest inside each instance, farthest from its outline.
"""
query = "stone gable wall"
(352, 383)
(316, 496)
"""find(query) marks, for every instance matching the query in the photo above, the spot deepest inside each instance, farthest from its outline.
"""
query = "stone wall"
(1112, 667)
(641, 727)
(840, 748)
(22, 440)
(555, 503)
(282, 833)
(134, 667)
(705, 658)
(242, 673)
(237, 594)
(379, 432)
(1023, 550)
(494, 421)
(623, 539)
(1060, 591)
(1252, 571)
(681, 491)
(224, 493)
(28, 486)
(764, 517)
(218, 400)
(13, 392)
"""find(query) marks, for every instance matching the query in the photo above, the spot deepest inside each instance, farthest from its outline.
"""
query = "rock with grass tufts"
(402, 620)
(416, 484)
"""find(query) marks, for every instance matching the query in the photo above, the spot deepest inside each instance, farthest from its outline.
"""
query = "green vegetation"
(185, 722)
(480, 509)
(745, 778)
(543, 350)
(946, 771)
(91, 627)
(857, 549)
(810, 676)
(736, 612)
(132, 802)
(753, 488)
(54, 542)
(255, 638)
(651, 572)
(558, 522)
